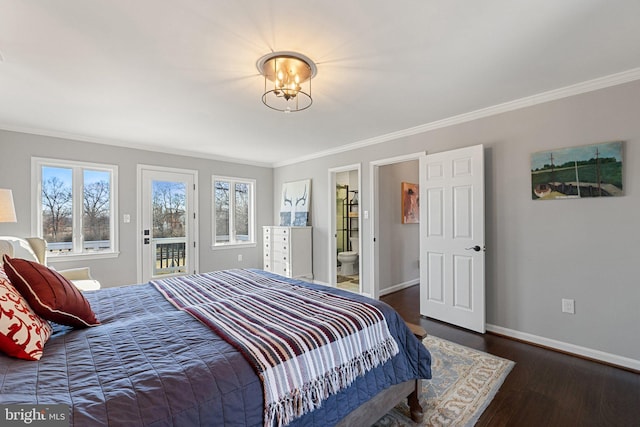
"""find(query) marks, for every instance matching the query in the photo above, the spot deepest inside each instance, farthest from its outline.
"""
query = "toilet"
(349, 258)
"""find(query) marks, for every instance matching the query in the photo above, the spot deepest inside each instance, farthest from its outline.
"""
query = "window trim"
(252, 213)
(37, 163)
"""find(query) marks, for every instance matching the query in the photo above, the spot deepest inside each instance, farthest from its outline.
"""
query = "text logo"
(34, 415)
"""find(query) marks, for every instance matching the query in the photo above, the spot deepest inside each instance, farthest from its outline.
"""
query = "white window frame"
(77, 167)
(252, 213)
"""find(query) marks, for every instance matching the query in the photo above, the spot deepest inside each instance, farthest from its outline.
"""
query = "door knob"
(476, 248)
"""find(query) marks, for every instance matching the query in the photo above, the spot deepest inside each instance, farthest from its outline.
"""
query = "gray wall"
(538, 252)
(399, 243)
(16, 150)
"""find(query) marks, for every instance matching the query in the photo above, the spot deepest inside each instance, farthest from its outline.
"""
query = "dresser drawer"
(280, 256)
(280, 238)
(281, 268)
(279, 245)
(281, 231)
(282, 247)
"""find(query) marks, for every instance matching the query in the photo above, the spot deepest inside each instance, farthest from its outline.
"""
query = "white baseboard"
(568, 348)
(398, 287)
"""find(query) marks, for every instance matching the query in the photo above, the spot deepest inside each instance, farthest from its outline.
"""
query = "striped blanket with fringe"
(304, 344)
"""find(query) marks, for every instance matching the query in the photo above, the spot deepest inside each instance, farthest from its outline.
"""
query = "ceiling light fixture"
(289, 74)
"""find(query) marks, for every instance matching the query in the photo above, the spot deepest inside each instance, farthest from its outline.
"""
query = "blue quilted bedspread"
(151, 364)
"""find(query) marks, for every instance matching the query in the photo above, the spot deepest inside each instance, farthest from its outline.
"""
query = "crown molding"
(552, 95)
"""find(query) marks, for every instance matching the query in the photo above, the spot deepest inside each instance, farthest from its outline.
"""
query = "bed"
(151, 363)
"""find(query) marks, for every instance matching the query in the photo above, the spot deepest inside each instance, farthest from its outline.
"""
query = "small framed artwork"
(577, 172)
(410, 203)
(295, 203)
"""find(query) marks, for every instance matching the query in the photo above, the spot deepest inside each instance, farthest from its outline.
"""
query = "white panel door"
(452, 237)
(167, 206)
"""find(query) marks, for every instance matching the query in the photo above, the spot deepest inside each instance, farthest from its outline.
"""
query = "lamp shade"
(7, 210)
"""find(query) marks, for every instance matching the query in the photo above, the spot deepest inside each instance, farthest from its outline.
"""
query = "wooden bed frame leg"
(417, 414)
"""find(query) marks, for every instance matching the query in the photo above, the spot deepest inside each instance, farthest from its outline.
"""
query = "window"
(76, 207)
(233, 211)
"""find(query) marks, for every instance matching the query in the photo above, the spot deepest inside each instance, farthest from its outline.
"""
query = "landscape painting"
(577, 172)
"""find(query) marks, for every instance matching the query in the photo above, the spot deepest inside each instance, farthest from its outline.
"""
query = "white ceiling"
(180, 76)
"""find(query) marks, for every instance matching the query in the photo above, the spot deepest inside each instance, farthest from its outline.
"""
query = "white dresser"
(287, 251)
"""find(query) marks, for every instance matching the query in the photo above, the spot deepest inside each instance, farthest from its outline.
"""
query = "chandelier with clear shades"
(287, 81)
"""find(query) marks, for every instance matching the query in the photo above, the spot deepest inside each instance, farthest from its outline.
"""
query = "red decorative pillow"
(49, 294)
(22, 332)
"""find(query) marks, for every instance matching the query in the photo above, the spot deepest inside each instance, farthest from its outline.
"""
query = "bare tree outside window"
(222, 211)
(242, 211)
(76, 220)
(169, 208)
(169, 226)
(96, 218)
(57, 208)
(233, 210)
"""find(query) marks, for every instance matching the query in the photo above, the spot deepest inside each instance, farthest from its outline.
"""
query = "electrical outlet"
(568, 306)
(239, 257)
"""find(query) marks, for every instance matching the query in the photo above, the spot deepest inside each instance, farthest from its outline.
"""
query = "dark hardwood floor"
(545, 388)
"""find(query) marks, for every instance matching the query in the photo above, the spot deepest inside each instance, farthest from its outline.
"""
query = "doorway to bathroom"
(344, 215)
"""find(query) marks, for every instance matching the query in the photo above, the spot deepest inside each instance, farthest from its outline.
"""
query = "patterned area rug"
(464, 383)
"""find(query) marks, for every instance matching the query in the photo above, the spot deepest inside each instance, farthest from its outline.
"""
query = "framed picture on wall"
(410, 203)
(295, 203)
(577, 172)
